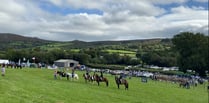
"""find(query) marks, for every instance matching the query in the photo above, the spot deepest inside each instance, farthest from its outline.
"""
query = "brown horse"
(101, 79)
(121, 82)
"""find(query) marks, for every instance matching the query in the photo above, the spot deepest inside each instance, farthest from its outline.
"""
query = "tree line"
(192, 52)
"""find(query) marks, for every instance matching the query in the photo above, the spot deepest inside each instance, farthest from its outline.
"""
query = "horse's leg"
(93, 81)
(126, 86)
(98, 83)
(60, 77)
(76, 77)
(107, 83)
(67, 77)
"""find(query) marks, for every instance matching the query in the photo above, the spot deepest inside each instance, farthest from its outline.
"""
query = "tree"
(193, 52)
(81, 57)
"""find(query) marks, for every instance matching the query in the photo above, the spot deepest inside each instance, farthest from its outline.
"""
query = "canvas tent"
(66, 63)
(4, 61)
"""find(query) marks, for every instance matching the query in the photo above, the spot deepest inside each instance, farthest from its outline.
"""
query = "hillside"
(8, 40)
(8, 37)
(15, 41)
(126, 52)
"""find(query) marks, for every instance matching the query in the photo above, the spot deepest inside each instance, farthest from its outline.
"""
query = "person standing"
(3, 70)
(73, 72)
(55, 74)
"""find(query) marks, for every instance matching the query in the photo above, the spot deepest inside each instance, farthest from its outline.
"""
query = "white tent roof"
(4, 61)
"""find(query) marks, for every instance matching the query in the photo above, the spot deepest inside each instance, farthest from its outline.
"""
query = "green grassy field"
(53, 46)
(122, 52)
(39, 86)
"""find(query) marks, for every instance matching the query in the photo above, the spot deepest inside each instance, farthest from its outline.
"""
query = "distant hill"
(83, 44)
(8, 37)
(14, 41)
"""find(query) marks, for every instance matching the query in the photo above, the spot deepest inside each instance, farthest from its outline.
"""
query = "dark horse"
(63, 74)
(121, 82)
(101, 79)
(88, 78)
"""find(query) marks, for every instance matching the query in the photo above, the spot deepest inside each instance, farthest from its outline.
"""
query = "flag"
(28, 63)
(19, 62)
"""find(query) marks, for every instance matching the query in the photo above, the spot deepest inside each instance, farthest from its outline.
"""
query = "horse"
(121, 82)
(68, 75)
(88, 78)
(63, 74)
(101, 79)
(184, 84)
(75, 76)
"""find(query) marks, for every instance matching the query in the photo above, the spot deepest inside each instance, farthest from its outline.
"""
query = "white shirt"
(3, 69)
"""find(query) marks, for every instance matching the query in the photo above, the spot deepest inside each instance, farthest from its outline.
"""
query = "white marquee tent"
(4, 61)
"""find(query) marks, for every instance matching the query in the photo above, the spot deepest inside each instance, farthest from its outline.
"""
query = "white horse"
(75, 76)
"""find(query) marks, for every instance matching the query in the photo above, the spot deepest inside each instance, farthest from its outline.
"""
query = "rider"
(87, 72)
(121, 77)
(94, 75)
(101, 76)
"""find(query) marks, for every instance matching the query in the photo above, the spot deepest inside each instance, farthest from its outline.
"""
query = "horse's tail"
(126, 84)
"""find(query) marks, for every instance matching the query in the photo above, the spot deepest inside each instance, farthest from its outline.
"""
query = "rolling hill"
(8, 40)
(8, 37)
(15, 41)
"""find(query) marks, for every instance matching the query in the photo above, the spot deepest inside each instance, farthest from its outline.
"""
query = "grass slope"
(38, 86)
(122, 52)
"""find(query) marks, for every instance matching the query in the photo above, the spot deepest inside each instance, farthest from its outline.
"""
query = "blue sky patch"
(68, 10)
(189, 4)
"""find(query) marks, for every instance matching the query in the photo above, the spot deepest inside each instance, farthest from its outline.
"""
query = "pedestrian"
(3, 70)
(55, 74)
(73, 72)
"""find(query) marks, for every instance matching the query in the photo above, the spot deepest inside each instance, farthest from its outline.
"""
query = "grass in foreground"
(38, 86)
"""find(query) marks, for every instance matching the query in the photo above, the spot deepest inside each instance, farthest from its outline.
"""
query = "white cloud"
(120, 19)
(86, 4)
(166, 1)
(11, 7)
(57, 2)
(203, 1)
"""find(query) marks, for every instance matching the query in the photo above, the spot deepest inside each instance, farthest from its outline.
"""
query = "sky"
(100, 20)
